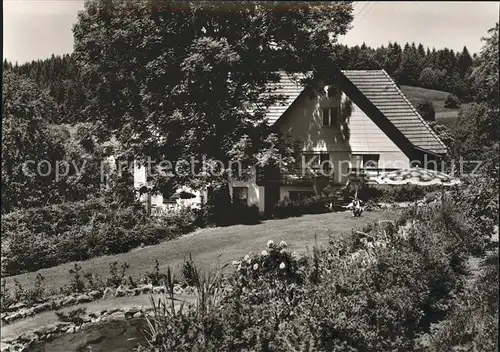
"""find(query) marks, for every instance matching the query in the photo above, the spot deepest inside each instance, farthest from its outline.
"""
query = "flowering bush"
(274, 262)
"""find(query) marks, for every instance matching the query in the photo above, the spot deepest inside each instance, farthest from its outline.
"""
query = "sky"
(36, 29)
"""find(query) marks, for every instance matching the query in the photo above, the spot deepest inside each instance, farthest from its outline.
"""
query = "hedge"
(42, 237)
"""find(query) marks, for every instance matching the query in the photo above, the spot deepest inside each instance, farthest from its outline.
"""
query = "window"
(240, 195)
(300, 195)
(370, 161)
(318, 161)
(330, 116)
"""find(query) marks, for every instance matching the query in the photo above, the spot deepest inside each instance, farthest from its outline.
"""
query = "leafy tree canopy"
(179, 80)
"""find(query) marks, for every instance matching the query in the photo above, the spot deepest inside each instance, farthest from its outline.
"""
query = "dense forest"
(410, 64)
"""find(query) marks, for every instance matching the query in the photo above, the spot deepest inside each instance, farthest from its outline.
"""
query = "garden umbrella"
(416, 176)
(185, 195)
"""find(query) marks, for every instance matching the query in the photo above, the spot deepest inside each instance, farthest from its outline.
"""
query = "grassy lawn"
(225, 244)
(444, 115)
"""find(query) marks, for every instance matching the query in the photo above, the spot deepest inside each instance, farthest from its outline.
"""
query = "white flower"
(255, 266)
(247, 258)
(264, 253)
(270, 243)
(294, 255)
(283, 244)
(239, 267)
(282, 266)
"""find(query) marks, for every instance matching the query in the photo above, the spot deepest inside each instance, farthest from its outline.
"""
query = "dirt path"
(16, 328)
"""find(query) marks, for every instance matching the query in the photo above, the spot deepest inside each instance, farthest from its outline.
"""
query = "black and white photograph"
(255, 176)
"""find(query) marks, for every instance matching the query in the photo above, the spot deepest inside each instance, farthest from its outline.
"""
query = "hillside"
(443, 115)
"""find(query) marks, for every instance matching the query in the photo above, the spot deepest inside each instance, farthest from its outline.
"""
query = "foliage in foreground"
(381, 291)
(473, 321)
(42, 237)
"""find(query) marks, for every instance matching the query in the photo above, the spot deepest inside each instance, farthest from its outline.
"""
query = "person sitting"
(357, 209)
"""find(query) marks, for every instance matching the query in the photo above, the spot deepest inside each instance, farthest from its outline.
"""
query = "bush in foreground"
(42, 237)
(378, 293)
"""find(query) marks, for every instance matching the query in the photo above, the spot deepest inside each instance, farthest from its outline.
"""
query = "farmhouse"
(353, 125)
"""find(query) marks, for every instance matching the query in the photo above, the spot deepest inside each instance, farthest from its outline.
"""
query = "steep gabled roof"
(386, 99)
(383, 92)
(290, 88)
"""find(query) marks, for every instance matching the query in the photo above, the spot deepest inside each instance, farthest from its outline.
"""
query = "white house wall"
(255, 192)
(367, 138)
(303, 121)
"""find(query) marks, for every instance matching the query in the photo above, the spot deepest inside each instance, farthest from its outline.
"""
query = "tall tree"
(478, 125)
(180, 80)
(464, 62)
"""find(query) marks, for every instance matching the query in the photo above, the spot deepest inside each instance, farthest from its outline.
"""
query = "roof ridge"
(414, 110)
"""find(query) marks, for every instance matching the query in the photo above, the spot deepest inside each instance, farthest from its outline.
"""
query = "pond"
(110, 336)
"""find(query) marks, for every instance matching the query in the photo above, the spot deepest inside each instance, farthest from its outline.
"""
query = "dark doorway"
(271, 197)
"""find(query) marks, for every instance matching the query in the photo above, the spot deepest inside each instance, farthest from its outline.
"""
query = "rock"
(146, 288)
(114, 310)
(120, 292)
(26, 312)
(26, 336)
(86, 319)
(138, 314)
(71, 330)
(42, 331)
(130, 312)
(83, 299)
(16, 306)
(178, 290)
(69, 301)
(95, 294)
(117, 315)
(159, 289)
(189, 291)
(42, 307)
(26, 347)
(13, 317)
(108, 292)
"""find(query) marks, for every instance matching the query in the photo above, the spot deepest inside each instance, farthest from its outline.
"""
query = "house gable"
(379, 98)
(359, 135)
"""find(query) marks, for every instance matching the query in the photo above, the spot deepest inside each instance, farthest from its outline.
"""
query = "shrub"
(47, 236)
(379, 292)
(473, 322)
(426, 110)
(452, 102)
(312, 205)
(236, 214)
(386, 193)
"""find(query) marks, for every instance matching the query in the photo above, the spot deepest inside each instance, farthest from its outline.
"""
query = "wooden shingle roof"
(378, 87)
